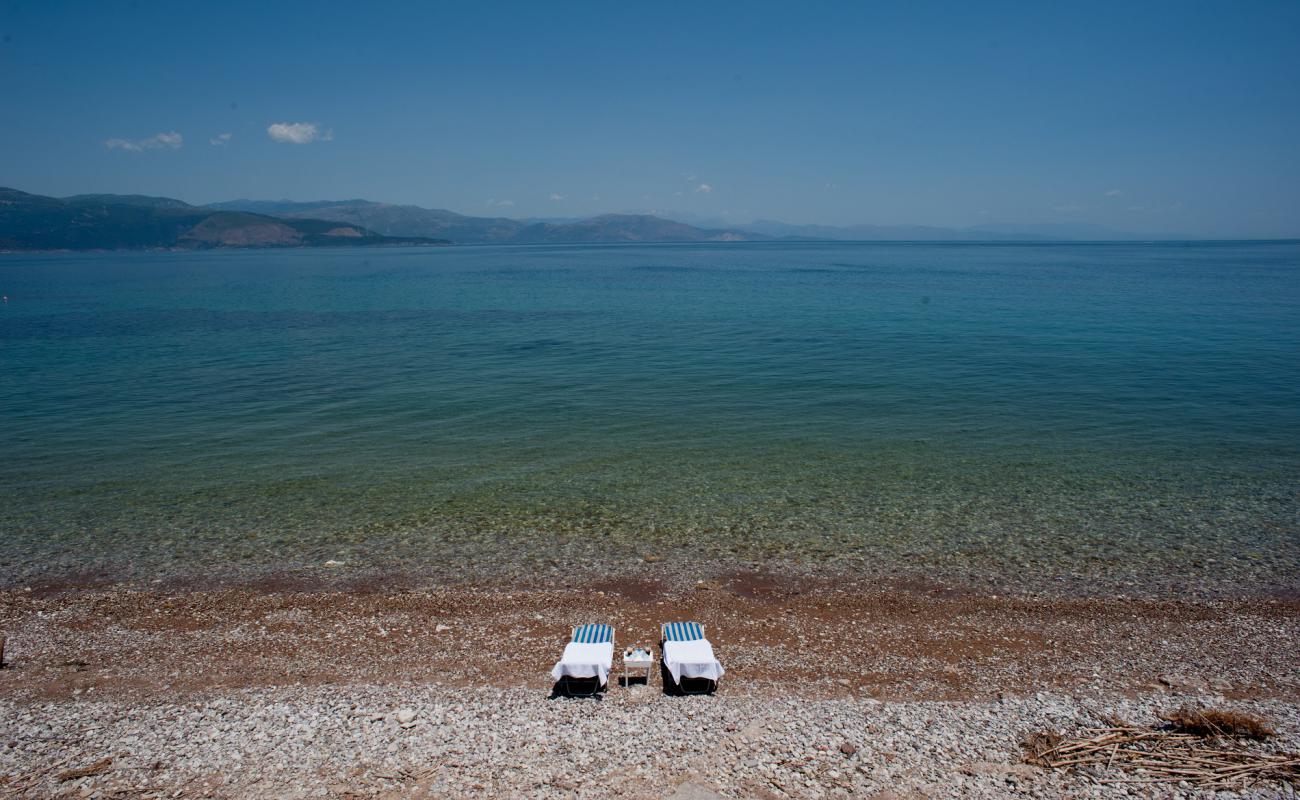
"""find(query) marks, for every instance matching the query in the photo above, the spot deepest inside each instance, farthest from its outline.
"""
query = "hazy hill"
(113, 222)
(395, 220)
(273, 207)
(126, 200)
(1043, 232)
(1072, 231)
(877, 233)
(627, 228)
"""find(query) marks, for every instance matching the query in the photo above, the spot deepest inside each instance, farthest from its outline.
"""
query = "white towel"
(692, 659)
(585, 661)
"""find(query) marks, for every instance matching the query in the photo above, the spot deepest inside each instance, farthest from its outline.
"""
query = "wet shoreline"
(572, 564)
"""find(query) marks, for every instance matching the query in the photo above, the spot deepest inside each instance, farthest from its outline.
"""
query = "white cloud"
(494, 203)
(558, 196)
(298, 132)
(159, 141)
(1114, 193)
(703, 188)
(171, 139)
(220, 140)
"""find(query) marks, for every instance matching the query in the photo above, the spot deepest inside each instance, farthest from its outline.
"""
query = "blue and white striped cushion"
(593, 634)
(683, 632)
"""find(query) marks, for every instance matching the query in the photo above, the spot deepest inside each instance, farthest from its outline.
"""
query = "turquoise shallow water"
(1128, 413)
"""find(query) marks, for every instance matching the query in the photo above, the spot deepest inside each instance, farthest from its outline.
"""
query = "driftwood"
(1162, 756)
(101, 766)
(1217, 722)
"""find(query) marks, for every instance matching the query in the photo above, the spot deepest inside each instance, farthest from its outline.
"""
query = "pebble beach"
(428, 741)
(307, 688)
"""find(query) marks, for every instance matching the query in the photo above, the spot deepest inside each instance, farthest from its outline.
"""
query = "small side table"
(638, 658)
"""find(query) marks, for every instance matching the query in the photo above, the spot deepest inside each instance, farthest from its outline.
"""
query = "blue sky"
(1162, 117)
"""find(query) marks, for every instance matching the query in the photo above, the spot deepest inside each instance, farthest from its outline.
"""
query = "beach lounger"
(584, 668)
(688, 656)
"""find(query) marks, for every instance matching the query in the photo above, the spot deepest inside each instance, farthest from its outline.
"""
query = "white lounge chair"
(688, 656)
(587, 661)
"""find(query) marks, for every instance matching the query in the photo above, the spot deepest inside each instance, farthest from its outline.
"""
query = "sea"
(1109, 416)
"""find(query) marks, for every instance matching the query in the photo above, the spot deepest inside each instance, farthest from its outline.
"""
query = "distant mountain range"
(399, 220)
(116, 222)
(394, 220)
(113, 221)
(416, 221)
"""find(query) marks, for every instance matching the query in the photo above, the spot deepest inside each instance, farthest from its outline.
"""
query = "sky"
(1167, 117)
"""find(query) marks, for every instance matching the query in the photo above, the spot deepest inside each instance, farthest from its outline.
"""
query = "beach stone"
(1184, 683)
(404, 716)
(848, 748)
(694, 791)
(994, 768)
(753, 730)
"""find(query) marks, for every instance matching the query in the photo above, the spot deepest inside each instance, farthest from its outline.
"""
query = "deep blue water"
(1124, 411)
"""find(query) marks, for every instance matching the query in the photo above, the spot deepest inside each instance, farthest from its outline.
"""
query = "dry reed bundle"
(1216, 722)
(1207, 760)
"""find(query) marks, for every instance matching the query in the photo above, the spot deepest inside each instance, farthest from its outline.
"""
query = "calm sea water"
(1127, 413)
